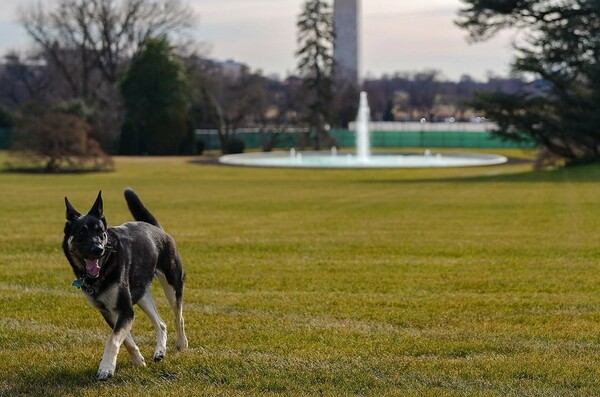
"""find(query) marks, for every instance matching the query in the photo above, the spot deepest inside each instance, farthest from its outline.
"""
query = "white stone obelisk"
(346, 48)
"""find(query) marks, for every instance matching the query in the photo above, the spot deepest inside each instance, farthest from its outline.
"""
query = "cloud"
(425, 39)
(12, 37)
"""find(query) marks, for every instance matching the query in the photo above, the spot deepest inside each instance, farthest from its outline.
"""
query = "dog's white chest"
(106, 300)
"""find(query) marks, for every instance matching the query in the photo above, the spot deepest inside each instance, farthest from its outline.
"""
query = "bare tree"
(423, 92)
(100, 34)
(286, 105)
(227, 102)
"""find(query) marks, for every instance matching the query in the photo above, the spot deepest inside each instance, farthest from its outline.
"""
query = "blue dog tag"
(77, 283)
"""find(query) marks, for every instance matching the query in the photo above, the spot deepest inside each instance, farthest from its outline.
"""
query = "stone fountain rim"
(230, 159)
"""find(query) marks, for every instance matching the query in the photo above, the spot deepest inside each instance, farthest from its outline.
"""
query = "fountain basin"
(363, 157)
(343, 160)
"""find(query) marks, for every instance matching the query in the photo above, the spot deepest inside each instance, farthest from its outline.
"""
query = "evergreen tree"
(316, 65)
(156, 96)
(562, 50)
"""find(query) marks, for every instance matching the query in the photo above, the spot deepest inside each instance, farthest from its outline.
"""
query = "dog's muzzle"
(92, 265)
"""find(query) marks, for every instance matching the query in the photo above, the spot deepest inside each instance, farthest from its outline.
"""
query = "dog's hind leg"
(134, 351)
(146, 303)
(175, 298)
(129, 343)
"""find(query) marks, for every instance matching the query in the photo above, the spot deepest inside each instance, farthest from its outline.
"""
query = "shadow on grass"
(62, 380)
(42, 171)
(574, 174)
(55, 382)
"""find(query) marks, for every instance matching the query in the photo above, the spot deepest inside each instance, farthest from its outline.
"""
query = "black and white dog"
(115, 267)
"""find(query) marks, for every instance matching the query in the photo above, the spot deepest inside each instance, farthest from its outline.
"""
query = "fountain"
(363, 157)
(363, 138)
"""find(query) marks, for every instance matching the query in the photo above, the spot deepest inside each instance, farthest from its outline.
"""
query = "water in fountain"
(363, 138)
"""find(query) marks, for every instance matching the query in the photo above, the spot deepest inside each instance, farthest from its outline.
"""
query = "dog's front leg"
(129, 343)
(114, 342)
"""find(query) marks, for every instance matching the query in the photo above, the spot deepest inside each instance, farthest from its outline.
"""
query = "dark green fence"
(346, 139)
(381, 139)
(442, 139)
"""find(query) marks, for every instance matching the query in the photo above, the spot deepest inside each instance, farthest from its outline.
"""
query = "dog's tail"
(137, 209)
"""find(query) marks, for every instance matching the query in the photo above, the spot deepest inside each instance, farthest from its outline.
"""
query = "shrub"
(235, 146)
(200, 147)
(53, 140)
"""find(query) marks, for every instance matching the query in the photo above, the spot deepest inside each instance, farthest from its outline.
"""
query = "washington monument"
(346, 51)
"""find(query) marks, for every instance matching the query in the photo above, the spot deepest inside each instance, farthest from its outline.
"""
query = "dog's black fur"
(115, 267)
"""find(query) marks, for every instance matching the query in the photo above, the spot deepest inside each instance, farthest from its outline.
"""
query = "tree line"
(125, 77)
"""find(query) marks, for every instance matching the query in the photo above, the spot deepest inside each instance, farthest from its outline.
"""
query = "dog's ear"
(97, 209)
(72, 213)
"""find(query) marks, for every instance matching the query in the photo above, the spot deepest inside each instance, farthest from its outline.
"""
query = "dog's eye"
(82, 231)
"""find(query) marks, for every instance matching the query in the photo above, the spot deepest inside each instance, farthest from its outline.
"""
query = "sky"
(397, 36)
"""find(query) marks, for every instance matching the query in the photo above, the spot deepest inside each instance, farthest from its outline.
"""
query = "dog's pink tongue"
(92, 267)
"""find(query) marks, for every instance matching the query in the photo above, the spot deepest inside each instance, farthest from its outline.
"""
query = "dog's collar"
(81, 284)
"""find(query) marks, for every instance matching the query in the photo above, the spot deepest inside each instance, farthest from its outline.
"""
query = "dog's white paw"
(107, 368)
(104, 374)
(159, 355)
(182, 343)
(138, 360)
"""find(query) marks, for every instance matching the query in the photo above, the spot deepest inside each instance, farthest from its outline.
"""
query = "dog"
(115, 268)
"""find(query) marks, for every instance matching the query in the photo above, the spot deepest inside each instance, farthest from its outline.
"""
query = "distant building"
(346, 49)
(232, 69)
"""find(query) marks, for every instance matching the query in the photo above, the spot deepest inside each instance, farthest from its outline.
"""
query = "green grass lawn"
(478, 281)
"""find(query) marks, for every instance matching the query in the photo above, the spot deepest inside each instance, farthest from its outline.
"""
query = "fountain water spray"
(363, 139)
